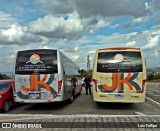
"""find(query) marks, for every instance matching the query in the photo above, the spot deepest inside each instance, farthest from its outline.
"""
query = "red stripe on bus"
(120, 48)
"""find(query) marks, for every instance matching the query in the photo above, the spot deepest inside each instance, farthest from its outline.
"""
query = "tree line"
(4, 76)
(153, 76)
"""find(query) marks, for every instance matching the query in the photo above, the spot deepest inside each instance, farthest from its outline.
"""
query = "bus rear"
(119, 75)
(35, 76)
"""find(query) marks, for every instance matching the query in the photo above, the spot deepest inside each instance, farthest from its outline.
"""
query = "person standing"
(87, 82)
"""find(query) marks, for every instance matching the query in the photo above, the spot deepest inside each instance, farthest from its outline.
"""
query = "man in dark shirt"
(87, 82)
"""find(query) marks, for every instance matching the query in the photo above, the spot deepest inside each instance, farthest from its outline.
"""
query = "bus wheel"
(80, 91)
(99, 103)
(6, 106)
(71, 98)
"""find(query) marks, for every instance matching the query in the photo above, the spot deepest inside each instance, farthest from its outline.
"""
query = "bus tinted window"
(119, 61)
(38, 61)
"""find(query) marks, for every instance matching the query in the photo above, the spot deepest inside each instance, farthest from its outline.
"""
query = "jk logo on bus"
(118, 82)
(35, 83)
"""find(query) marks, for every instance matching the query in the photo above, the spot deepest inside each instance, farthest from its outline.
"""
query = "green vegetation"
(4, 76)
(87, 72)
(153, 77)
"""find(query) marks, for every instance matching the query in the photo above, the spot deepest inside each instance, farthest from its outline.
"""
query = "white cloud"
(57, 6)
(93, 23)
(45, 47)
(72, 57)
(130, 44)
(132, 35)
(45, 41)
(156, 4)
(153, 34)
(65, 25)
(141, 19)
(7, 58)
(91, 51)
(87, 8)
(6, 20)
(138, 20)
(92, 31)
(18, 35)
(57, 27)
(152, 42)
(12, 34)
(147, 6)
(76, 48)
(136, 39)
(84, 39)
(114, 26)
(1, 46)
(110, 8)
(4, 16)
(156, 53)
(113, 39)
(102, 23)
(155, 27)
(70, 49)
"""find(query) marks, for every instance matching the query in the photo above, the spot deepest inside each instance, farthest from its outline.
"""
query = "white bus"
(45, 75)
(119, 75)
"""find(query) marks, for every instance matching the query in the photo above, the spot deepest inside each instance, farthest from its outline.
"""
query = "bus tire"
(98, 103)
(71, 98)
(80, 91)
(6, 106)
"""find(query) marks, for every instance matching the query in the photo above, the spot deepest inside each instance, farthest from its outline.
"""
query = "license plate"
(34, 95)
(120, 96)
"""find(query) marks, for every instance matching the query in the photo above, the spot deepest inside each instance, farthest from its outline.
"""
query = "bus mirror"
(77, 67)
(82, 71)
(79, 71)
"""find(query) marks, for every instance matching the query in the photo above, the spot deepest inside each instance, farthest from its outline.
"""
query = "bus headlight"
(0, 96)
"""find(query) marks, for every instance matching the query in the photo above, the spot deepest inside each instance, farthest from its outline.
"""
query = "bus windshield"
(36, 62)
(119, 61)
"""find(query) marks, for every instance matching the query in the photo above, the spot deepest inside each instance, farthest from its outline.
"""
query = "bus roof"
(37, 49)
(120, 48)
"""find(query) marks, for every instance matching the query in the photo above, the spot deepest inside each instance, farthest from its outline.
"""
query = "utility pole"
(88, 63)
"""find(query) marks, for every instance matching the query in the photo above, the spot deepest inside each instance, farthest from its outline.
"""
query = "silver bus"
(45, 75)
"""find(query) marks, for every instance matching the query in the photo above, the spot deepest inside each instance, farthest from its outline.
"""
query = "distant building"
(155, 70)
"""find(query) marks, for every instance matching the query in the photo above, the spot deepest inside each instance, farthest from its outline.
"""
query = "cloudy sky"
(79, 27)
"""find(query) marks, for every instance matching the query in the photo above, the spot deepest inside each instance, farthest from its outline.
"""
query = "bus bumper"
(49, 100)
(119, 98)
